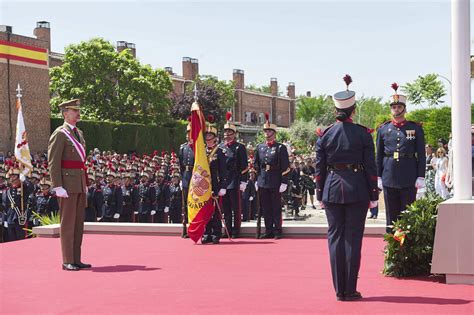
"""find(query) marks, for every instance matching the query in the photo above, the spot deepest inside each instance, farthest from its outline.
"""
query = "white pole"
(461, 99)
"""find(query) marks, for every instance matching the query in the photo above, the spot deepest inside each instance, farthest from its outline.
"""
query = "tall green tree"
(426, 89)
(214, 96)
(319, 109)
(111, 85)
(368, 108)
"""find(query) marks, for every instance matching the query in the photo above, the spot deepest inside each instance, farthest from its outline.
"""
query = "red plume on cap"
(347, 78)
(267, 116)
(210, 118)
(395, 87)
(228, 116)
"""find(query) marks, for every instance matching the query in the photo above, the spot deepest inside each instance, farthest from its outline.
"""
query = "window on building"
(248, 117)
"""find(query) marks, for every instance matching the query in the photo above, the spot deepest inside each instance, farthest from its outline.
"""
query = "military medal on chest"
(410, 134)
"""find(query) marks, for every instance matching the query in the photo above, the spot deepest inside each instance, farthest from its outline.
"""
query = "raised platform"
(453, 252)
(248, 229)
(171, 275)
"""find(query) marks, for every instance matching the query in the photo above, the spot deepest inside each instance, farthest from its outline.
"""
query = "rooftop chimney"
(43, 32)
(291, 90)
(238, 77)
(274, 86)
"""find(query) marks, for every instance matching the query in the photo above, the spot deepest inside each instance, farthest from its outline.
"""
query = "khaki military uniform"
(61, 154)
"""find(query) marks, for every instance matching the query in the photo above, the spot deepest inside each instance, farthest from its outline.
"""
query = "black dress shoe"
(235, 235)
(264, 236)
(206, 240)
(215, 240)
(352, 296)
(340, 297)
(83, 266)
(277, 237)
(185, 236)
(70, 267)
(371, 216)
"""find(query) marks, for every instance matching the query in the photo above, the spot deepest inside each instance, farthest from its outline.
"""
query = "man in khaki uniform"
(67, 156)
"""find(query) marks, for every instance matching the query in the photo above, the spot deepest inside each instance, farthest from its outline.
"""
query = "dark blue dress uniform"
(248, 206)
(273, 167)
(186, 164)
(217, 165)
(162, 192)
(236, 164)
(46, 203)
(176, 203)
(130, 202)
(12, 200)
(346, 180)
(97, 202)
(146, 201)
(400, 161)
(90, 214)
(3, 230)
(113, 202)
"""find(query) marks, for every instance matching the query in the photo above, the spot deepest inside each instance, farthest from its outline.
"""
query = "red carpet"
(169, 275)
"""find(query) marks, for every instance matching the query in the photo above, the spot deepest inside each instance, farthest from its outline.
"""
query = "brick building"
(26, 61)
(251, 106)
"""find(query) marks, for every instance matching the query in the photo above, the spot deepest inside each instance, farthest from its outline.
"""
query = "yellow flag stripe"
(24, 53)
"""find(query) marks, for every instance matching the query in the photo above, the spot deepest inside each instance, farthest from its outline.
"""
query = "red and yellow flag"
(23, 55)
(200, 202)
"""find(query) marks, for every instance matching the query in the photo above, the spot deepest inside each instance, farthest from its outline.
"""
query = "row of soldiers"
(20, 198)
(154, 188)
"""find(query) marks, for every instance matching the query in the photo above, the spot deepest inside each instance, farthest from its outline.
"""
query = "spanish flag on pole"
(200, 202)
(22, 150)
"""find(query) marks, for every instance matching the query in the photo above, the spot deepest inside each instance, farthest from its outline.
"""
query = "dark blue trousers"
(270, 201)
(396, 201)
(346, 229)
(232, 210)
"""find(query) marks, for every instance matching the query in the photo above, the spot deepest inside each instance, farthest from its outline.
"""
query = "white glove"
(61, 192)
(167, 209)
(379, 183)
(22, 177)
(373, 204)
(256, 187)
(117, 215)
(283, 187)
(222, 192)
(321, 204)
(250, 198)
(153, 212)
(243, 185)
(420, 182)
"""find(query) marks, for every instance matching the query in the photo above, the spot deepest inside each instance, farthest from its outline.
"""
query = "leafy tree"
(426, 89)
(263, 89)
(368, 108)
(214, 96)
(111, 85)
(319, 109)
(303, 135)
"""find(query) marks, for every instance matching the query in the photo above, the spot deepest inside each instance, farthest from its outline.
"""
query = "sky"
(311, 43)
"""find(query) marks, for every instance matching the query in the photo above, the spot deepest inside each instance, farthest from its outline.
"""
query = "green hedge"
(126, 137)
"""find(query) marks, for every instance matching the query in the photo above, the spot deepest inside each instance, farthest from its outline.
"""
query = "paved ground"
(310, 215)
